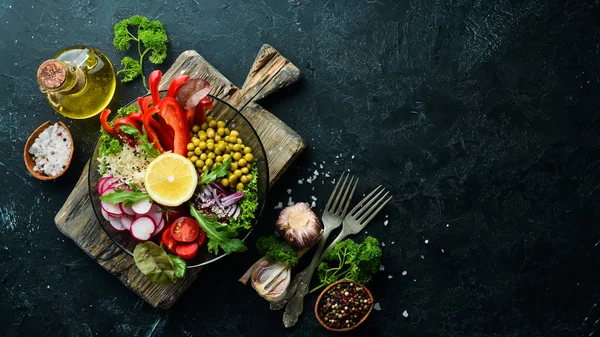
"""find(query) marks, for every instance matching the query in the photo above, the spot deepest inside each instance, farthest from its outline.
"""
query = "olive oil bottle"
(79, 82)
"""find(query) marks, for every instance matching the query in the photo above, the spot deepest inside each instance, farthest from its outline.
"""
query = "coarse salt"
(405, 313)
(404, 273)
(279, 205)
(290, 202)
(51, 150)
(377, 306)
(313, 204)
(381, 267)
(300, 182)
(390, 276)
(289, 190)
(385, 223)
(313, 197)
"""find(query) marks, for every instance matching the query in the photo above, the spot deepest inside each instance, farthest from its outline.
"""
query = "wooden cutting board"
(270, 72)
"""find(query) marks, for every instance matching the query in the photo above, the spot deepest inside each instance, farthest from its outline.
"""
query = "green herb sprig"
(151, 36)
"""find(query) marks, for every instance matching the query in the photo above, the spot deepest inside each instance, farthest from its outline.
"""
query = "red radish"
(111, 209)
(116, 224)
(160, 226)
(126, 221)
(143, 228)
(107, 191)
(101, 184)
(109, 186)
(104, 214)
(142, 206)
(126, 209)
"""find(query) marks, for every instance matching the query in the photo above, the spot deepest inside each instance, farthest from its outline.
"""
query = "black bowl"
(234, 119)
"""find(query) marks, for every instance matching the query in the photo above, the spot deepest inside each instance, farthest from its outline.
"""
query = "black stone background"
(482, 116)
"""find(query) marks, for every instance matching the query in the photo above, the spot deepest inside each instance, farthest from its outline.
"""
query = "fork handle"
(343, 234)
(302, 281)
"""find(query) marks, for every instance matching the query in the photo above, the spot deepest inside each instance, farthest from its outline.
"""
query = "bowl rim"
(359, 322)
(29, 161)
(258, 211)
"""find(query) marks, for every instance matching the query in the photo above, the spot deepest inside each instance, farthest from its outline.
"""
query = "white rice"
(51, 150)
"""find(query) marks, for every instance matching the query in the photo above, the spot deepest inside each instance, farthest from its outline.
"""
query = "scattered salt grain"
(443, 250)
(405, 313)
(447, 225)
(390, 276)
(393, 242)
(426, 241)
(289, 190)
(48, 287)
(290, 202)
(300, 182)
(51, 150)
(314, 163)
(385, 223)
(422, 257)
(377, 306)
(279, 205)
(313, 204)
(404, 273)
(321, 166)
(381, 268)
(308, 180)
(327, 175)
(386, 216)
(316, 173)
(383, 244)
(352, 157)
(313, 197)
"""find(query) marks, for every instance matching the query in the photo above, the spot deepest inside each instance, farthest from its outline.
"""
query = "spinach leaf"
(179, 264)
(154, 262)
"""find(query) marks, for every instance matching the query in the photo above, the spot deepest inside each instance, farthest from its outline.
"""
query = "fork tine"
(350, 197)
(331, 198)
(372, 211)
(337, 200)
(340, 207)
(365, 199)
(368, 204)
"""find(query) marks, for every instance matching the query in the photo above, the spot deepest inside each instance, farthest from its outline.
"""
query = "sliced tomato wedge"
(186, 251)
(201, 237)
(168, 242)
(185, 229)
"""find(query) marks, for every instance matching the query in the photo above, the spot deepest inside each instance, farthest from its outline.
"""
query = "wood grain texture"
(270, 72)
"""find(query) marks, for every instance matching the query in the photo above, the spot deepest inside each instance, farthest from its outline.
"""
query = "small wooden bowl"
(29, 163)
(343, 329)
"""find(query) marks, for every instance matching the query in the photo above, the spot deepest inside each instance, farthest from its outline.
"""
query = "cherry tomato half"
(168, 242)
(185, 229)
(187, 250)
(201, 237)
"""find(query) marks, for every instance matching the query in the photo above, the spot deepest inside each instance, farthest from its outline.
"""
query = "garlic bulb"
(269, 278)
(299, 226)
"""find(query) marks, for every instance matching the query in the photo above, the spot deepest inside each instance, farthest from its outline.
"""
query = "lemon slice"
(170, 179)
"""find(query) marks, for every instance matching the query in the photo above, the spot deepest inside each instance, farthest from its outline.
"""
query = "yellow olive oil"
(79, 82)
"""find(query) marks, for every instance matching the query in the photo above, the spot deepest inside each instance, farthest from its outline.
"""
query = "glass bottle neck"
(59, 77)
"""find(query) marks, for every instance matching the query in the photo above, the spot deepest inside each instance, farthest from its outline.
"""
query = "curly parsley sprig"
(151, 37)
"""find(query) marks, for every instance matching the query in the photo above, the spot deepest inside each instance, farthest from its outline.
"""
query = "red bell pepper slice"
(104, 122)
(150, 132)
(176, 84)
(206, 104)
(153, 81)
(129, 121)
(144, 103)
(174, 116)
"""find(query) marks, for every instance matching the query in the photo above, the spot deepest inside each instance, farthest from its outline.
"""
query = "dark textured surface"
(482, 115)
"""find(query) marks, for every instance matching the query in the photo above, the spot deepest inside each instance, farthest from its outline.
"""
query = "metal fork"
(334, 213)
(359, 216)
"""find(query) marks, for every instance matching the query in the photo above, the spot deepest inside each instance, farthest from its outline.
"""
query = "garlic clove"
(270, 278)
(299, 225)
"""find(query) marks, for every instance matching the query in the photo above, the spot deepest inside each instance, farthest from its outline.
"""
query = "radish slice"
(126, 221)
(116, 224)
(111, 209)
(126, 209)
(110, 185)
(102, 184)
(107, 191)
(114, 215)
(160, 226)
(142, 206)
(142, 228)
(104, 214)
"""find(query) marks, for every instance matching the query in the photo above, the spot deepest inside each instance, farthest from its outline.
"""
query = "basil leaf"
(124, 196)
(154, 262)
(179, 264)
(220, 171)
